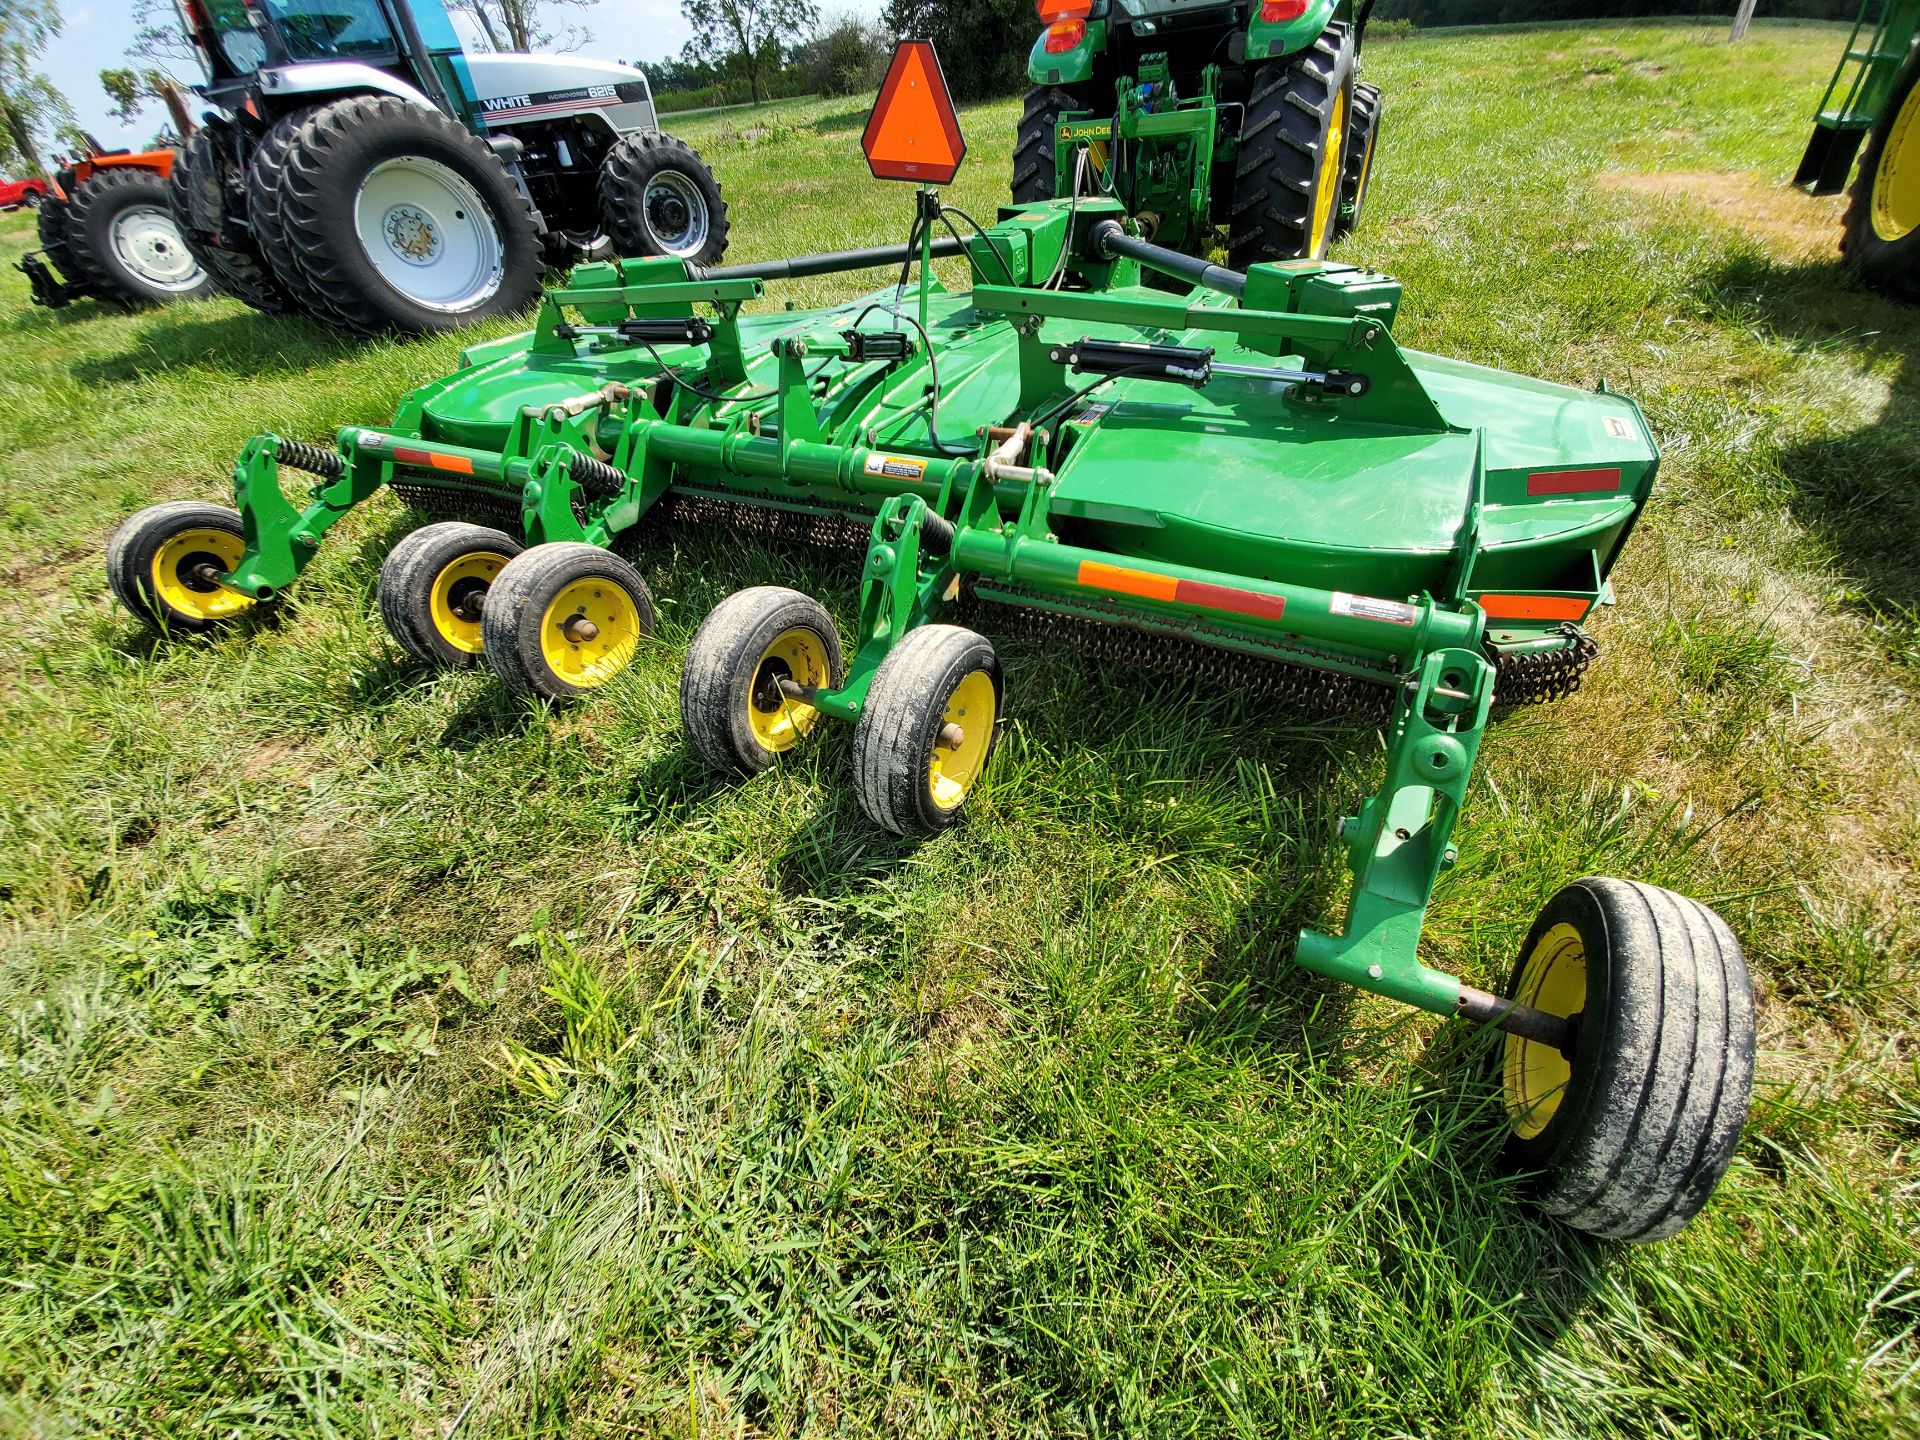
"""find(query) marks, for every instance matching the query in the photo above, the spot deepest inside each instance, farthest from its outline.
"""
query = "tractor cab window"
(234, 34)
(331, 29)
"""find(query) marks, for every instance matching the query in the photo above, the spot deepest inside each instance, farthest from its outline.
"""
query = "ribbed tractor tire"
(266, 172)
(201, 194)
(134, 561)
(523, 604)
(1363, 133)
(1645, 1121)
(433, 588)
(1881, 234)
(732, 672)
(674, 171)
(104, 198)
(1287, 174)
(329, 157)
(1033, 147)
(56, 244)
(896, 739)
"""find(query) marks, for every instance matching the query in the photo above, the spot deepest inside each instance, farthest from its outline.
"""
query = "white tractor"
(367, 170)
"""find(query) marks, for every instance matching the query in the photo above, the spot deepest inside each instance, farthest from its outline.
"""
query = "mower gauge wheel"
(563, 619)
(1628, 1134)
(434, 587)
(164, 564)
(927, 730)
(749, 655)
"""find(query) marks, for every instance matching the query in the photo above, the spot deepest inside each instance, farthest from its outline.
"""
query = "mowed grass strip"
(384, 1057)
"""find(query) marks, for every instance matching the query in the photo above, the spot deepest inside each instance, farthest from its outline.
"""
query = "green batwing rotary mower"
(1241, 468)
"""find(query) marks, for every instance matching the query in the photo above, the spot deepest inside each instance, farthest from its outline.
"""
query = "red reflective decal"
(1573, 482)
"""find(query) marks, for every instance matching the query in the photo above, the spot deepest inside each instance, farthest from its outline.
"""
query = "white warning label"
(1365, 607)
(896, 467)
(1618, 428)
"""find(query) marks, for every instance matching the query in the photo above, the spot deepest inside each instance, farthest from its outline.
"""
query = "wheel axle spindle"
(952, 737)
(1513, 1018)
(579, 629)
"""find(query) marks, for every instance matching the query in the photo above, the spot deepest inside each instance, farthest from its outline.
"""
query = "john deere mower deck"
(1249, 464)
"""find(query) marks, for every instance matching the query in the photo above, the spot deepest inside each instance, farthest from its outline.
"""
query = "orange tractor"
(106, 233)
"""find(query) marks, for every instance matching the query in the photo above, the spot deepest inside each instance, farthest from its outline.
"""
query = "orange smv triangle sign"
(913, 132)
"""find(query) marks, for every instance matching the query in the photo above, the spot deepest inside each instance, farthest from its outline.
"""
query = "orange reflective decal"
(1534, 607)
(914, 131)
(1118, 580)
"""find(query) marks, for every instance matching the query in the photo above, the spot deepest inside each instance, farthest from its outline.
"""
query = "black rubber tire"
(266, 170)
(97, 201)
(625, 173)
(1662, 1070)
(1889, 266)
(895, 737)
(722, 680)
(325, 158)
(1277, 176)
(1033, 150)
(410, 576)
(510, 624)
(1363, 133)
(56, 244)
(203, 191)
(31, 199)
(134, 546)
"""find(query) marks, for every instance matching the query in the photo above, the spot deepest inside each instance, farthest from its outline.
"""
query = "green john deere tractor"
(1241, 472)
(1871, 108)
(1246, 122)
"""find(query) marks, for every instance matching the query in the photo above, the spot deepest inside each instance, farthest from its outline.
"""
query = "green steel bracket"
(547, 499)
(902, 585)
(1400, 841)
(1068, 67)
(280, 540)
(1270, 39)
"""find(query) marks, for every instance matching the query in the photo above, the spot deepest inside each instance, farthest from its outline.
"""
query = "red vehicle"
(15, 193)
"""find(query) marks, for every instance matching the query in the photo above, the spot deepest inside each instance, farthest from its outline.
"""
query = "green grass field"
(383, 1057)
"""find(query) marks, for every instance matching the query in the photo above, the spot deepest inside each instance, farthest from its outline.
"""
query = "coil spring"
(597, 478)
(311, 458)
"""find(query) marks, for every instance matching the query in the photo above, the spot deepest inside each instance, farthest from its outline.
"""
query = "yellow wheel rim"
(589, 633)
(955, 767)
(180, 579)
(1535, 1076)
(1326, 192)
(1896, 180)
(780, 722)
(454, 600)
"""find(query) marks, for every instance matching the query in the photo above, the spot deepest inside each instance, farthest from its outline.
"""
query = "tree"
(983, 44)
(516, 24)
(31, 106)
(749, 34)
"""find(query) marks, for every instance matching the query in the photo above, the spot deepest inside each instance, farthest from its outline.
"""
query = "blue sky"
(96, 33)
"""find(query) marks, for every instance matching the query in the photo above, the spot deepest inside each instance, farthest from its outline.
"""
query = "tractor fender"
(1270, 39)
(1069, 67)
(336, 79)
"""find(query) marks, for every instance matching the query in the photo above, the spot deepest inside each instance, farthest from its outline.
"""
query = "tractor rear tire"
(1286, 184)
(1033, 148)
(266, 170)
(1363, 130)
(201, 192)
(56, 244)
(1627, 1136)
(397, 219)
(121, 232)
(1882, 235)
(657, 197)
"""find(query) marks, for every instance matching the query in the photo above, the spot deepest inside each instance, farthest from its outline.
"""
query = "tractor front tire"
(200, 193)
(1627, 1136)
(1286, 183)
(1363, 130)
(1881, 239)
(121, 232)
(56, 244)
(1033, 147)
(657, 197)
(395, 218)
